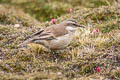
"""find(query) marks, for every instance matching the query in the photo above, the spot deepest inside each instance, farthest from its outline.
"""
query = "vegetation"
(44, 10)
(97, 45)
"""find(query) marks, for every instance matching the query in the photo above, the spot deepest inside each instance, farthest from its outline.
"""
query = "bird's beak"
(80, 26)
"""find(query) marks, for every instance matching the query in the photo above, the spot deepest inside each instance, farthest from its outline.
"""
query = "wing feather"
(49, 33)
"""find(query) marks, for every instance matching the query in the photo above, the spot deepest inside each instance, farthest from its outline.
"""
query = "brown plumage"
(57, 30)
(51, 35)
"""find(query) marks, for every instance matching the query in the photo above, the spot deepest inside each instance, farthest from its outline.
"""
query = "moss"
(110, 27)
(115, 74)
(80, 59)
(88, 69)
(11, 15)
(5, 1)
(45, 11)
(4, 30)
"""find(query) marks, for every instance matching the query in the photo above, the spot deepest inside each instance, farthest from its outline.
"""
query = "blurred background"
(45, 10)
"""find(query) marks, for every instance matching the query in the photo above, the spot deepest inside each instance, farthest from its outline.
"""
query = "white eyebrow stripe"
(72, 21)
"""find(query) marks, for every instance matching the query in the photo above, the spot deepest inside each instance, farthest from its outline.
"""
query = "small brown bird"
(55, 37)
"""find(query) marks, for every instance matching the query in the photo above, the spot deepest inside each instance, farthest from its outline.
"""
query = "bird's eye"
(74, 24)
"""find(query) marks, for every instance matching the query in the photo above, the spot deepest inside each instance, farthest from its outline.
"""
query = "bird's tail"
(25, 43)
(29, 39)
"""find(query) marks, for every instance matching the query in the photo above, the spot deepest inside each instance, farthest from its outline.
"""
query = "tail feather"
(25, 43)
(30, 38)
(38, 38)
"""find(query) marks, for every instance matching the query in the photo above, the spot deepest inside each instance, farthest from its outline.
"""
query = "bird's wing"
(57, 30)
(49, 33)
(38, 36)
(34, 34)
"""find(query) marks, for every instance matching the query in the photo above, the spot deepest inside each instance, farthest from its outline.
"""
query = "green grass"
(48, 9)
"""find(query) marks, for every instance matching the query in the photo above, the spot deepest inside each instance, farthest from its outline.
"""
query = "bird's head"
(73, 25)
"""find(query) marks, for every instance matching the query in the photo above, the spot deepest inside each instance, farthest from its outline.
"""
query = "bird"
(56, 36)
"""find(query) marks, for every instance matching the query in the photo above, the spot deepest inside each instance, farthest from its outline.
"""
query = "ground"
(97, 45)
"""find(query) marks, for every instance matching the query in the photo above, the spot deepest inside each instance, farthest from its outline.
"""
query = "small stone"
(118, 68)
(59, 73)
(17, 25)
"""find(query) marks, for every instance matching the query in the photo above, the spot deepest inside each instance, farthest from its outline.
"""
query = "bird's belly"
(61, 42)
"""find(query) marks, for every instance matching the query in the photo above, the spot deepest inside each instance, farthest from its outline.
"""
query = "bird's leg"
(55, 55)
(64, 50)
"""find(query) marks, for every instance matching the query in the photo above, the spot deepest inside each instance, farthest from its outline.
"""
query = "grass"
(86, 52)
(49, 9)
